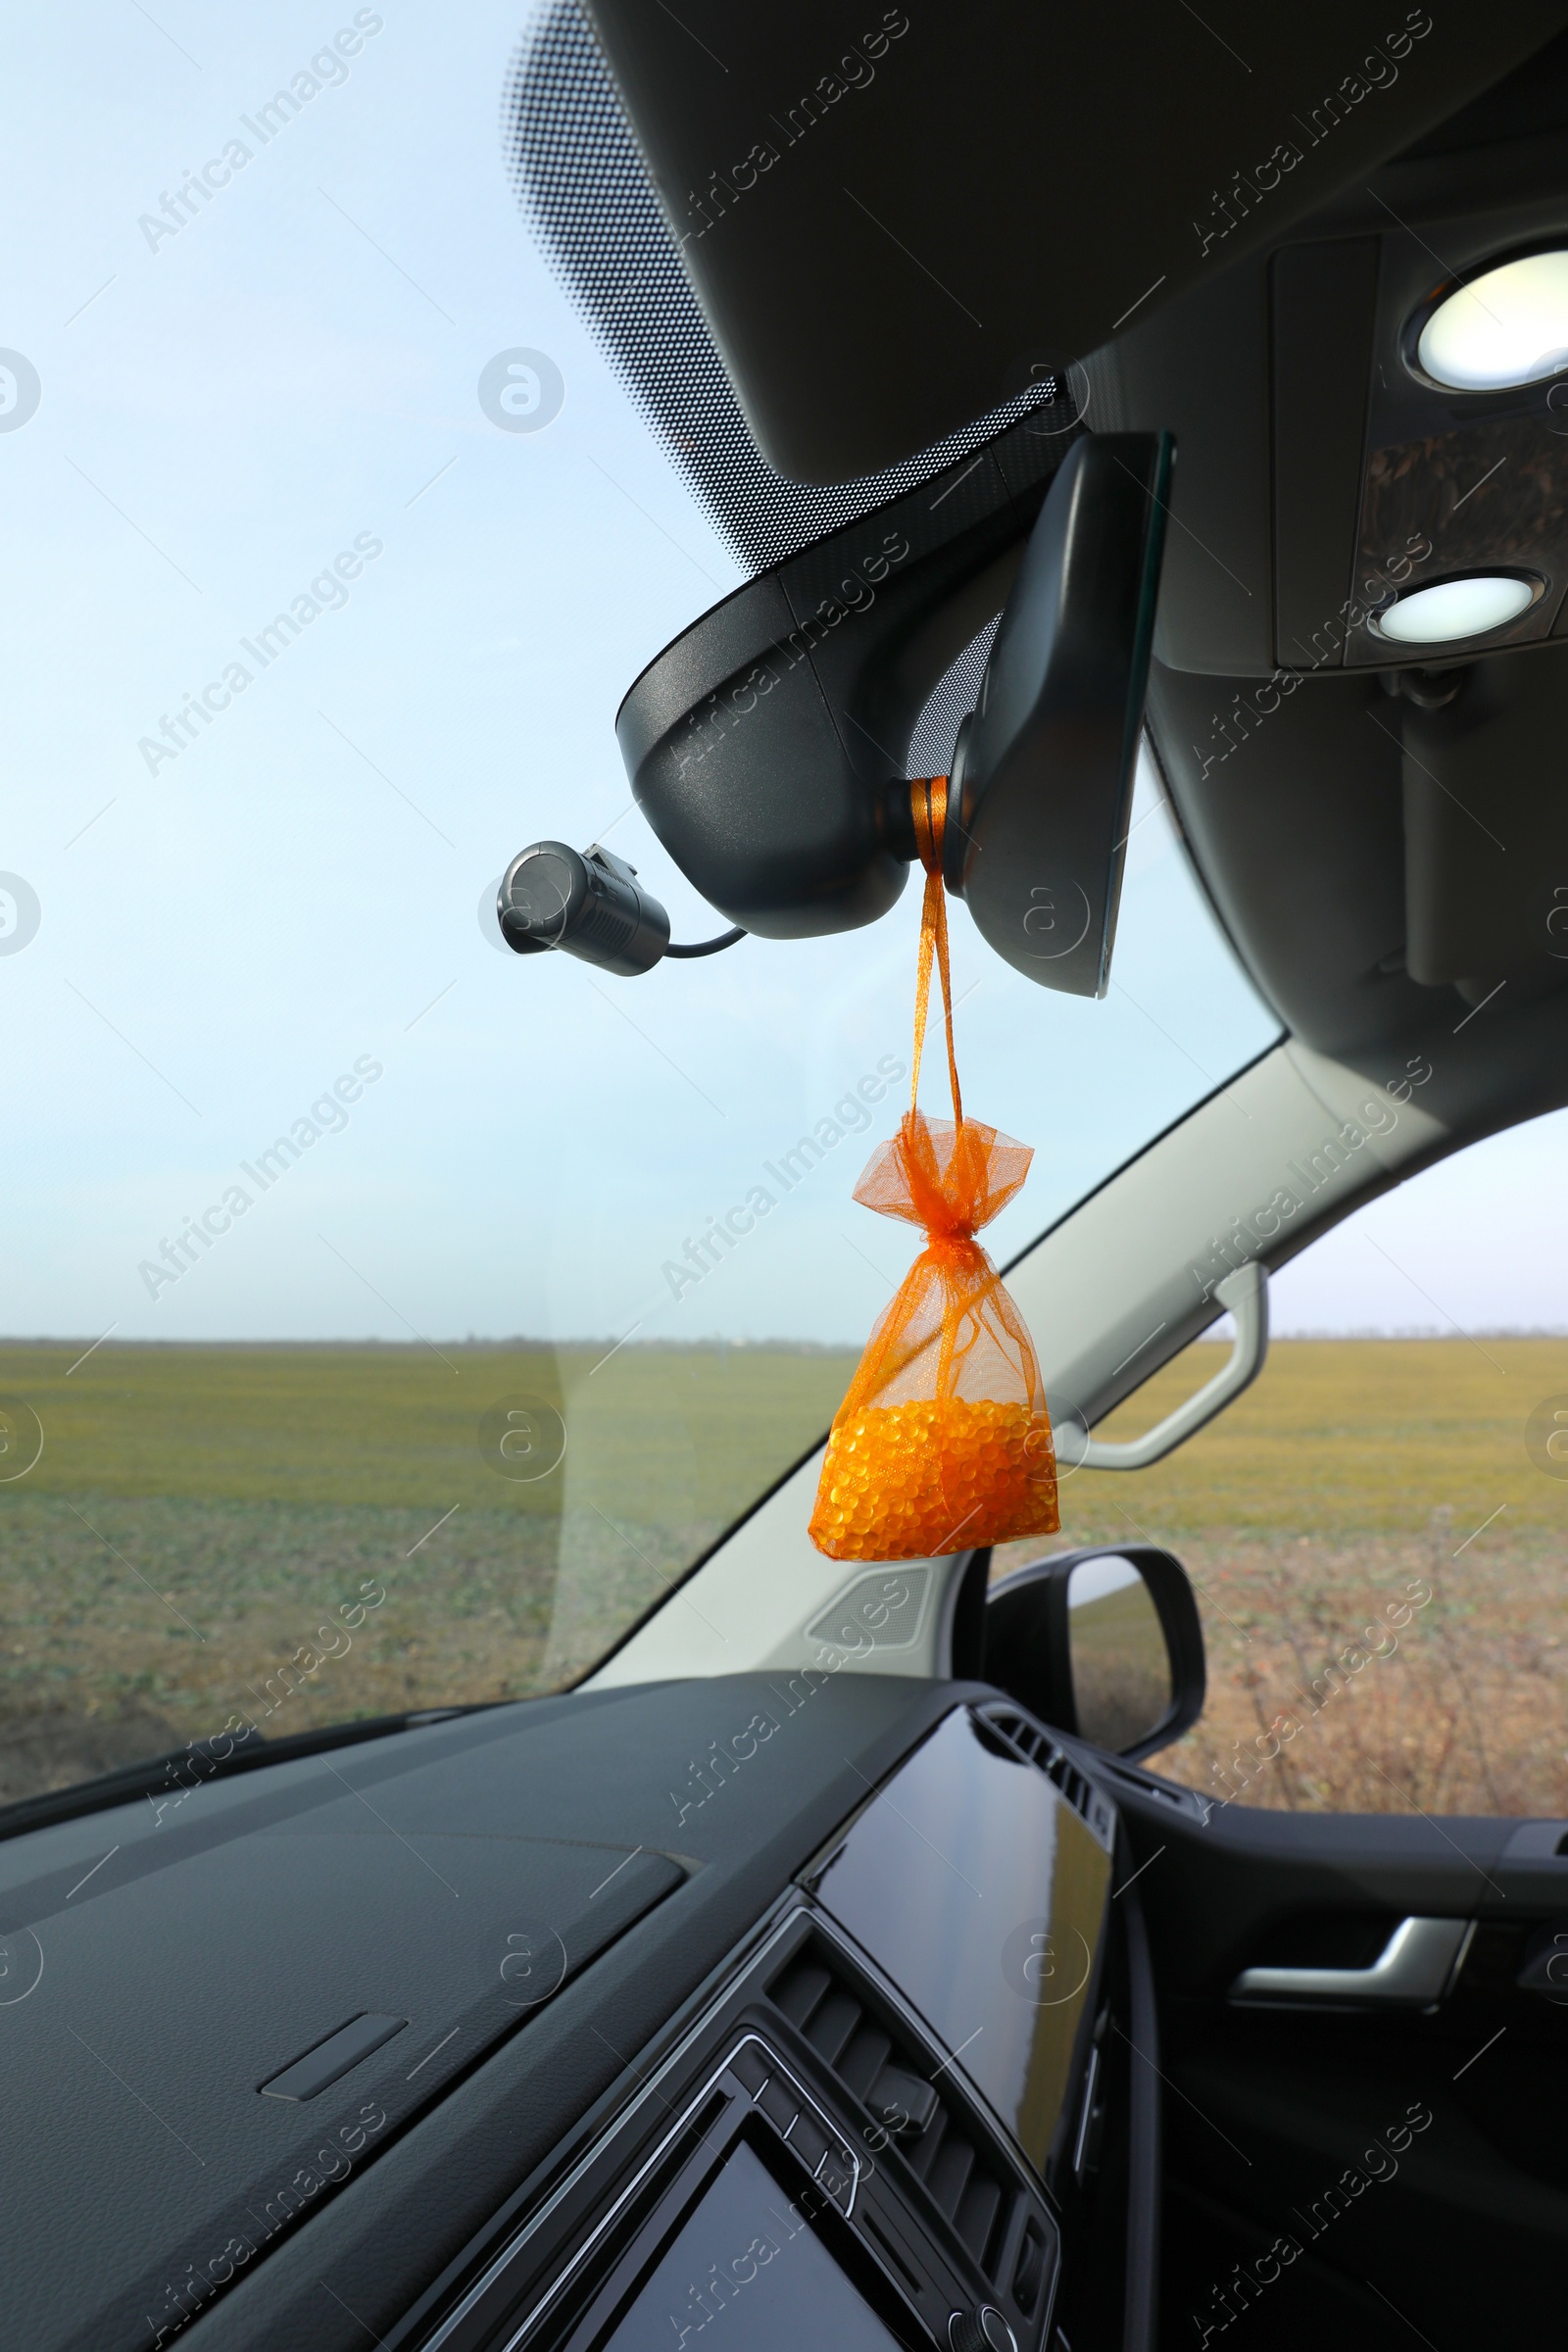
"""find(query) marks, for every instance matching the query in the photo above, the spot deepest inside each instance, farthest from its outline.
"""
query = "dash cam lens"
(542, 894)
(536, 898)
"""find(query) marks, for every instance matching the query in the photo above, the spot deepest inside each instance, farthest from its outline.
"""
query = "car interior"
(843, 1950)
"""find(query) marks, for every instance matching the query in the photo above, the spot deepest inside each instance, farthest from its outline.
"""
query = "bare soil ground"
(1354, 1475)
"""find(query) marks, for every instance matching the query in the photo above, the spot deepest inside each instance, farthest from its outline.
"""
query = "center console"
(870, 2135)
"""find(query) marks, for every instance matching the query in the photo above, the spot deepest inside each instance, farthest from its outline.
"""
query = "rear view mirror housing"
(1041, 791)
(1105, 1643)
(760, 745)
(768, 745)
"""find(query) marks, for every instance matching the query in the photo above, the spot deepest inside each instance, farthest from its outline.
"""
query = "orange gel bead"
(918, 1481)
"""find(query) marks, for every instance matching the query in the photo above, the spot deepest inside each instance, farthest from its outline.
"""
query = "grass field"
(198, 1515)
(1352, 1471)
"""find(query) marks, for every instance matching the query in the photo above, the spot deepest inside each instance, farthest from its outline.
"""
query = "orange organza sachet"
(942, 1441)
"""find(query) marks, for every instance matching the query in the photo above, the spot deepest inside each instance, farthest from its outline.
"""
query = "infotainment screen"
(747, 2273)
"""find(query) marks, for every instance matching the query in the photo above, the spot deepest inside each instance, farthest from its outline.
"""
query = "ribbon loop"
(928, 802)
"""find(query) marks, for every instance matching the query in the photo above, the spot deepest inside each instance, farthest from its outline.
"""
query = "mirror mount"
(1028, 1643)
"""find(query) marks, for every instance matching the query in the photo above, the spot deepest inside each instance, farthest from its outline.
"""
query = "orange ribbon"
(928, 802)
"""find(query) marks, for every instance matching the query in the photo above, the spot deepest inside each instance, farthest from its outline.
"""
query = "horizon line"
(1311, 1333)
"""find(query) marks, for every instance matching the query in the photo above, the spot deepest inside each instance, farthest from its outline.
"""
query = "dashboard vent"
(1039, 1749)
(890, 2083)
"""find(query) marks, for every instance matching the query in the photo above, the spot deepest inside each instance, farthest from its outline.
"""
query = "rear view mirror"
(1104, 1645)
(768, 745)
(1043, 772)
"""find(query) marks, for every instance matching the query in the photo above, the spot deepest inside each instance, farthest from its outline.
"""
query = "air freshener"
(942, 1441)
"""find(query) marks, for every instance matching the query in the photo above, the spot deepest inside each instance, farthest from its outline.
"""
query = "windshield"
(372, 1348)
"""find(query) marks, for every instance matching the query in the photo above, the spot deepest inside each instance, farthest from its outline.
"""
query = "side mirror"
(1104, 1645)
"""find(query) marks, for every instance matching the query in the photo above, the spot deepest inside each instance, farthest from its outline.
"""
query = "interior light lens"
(1507, 327)
(1453, 609)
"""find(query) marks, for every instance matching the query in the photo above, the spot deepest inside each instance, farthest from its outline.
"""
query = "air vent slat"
(863, 2060)
(906, 2103)
(891, 2082)
(832, 2026)
(1033, 1745)
(949, 2177)
(800, 1989)
(928, 2147)
(976, 2217)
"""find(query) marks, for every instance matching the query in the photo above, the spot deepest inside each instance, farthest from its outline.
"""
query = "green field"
(199, 1512)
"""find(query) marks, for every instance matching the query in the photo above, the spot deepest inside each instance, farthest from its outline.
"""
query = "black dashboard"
(573, 2023)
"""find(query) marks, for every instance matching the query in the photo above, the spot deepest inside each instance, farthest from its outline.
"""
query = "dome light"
(1507, 327)
(1453, 609)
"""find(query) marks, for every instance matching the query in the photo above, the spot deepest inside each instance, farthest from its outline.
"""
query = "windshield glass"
(371, 1349)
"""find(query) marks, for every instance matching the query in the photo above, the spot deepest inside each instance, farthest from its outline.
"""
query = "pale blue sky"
(299, 889)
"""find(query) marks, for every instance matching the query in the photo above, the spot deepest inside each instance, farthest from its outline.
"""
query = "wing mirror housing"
(1103, 1644)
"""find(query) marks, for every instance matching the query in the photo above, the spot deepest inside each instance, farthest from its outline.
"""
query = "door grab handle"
(1245, 1294)
(1414, 1970)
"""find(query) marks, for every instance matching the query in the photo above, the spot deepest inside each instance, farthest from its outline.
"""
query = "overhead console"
(1328, 475)
(1360, 661)
(881, 251)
